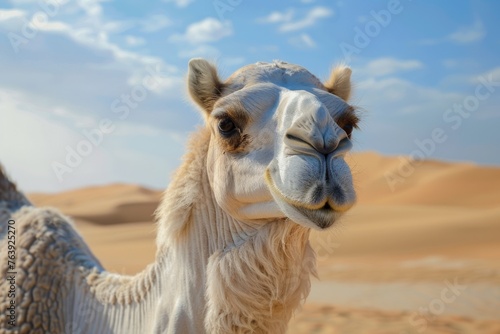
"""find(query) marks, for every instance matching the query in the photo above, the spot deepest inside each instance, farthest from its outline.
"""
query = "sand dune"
(432, 183)
(106, 205)
(439, 222)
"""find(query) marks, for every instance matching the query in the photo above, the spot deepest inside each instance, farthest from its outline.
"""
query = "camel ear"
(340, 82)
(204, 84)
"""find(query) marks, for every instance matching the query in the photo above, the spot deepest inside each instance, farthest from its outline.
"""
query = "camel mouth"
(322, 218)
(318, 217)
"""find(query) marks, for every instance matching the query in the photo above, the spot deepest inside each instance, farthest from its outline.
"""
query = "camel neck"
(191, 229)
(221, 274)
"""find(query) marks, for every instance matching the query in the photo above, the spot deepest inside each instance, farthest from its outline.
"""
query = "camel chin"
(317, 219)
(320, 215)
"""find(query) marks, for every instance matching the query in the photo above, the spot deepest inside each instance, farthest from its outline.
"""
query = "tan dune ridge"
(433, 183)
(104, 205)
(388, 258)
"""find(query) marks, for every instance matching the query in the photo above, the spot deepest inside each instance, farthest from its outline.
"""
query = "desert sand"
(422, 256)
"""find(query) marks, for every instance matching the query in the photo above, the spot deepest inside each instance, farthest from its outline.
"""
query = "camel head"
(278, 140)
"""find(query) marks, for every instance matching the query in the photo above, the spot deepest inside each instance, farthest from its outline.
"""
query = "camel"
(233, 252)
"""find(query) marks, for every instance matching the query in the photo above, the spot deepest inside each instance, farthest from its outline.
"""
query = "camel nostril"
(297, 140)
(294, 138)
(326, 207)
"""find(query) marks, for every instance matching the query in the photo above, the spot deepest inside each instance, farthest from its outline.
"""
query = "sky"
(93, 92)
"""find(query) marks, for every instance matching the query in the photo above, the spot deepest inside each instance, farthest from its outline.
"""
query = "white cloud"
(88, 26)
(470, 34)
(180, 3)
(162, 85)
(116, 27)
(91, 7)
(463, 35)
(277, 17)
(54, 26)
(403, 96)
(95, 34)
(94, 69)
(492, 75)
(385, 66)
(205, 31)
(310, 19)
(288, 22)
(302, 41)
(7, 14)
(134, 40)
(155, 23)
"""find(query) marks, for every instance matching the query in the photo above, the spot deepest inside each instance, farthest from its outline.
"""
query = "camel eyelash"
(348, 118)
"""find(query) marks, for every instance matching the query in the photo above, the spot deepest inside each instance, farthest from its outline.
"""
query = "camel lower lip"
(323, 218)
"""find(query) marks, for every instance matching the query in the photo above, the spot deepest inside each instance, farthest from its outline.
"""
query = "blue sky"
(66, 68)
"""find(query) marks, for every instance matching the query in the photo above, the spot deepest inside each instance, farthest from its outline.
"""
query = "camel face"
(278, 140)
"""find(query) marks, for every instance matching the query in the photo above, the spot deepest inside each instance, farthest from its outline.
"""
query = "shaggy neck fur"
(253, 275)
(212, 273)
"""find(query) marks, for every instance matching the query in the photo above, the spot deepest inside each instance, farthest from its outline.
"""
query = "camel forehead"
(277, 72)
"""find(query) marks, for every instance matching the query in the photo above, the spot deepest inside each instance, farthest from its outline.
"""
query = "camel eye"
(226, 127)
(348, 129)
